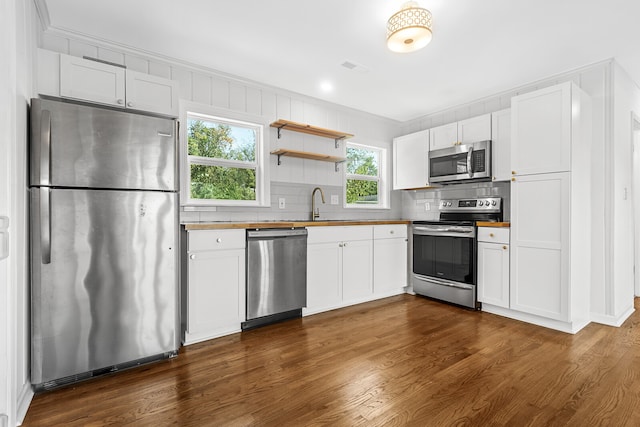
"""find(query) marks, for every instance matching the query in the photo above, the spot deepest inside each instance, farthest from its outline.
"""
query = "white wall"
(626, 102)
(17, 50)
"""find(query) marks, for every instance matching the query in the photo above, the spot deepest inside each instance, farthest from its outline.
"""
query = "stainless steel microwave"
(465, 162)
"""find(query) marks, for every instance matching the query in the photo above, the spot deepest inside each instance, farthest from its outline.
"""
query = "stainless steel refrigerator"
(104, 241)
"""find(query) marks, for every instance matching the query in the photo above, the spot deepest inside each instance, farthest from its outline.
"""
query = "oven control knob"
(448, 204)
(493, 203)
(481, 203)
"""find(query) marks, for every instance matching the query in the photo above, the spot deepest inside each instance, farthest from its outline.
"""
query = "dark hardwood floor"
(400, 361)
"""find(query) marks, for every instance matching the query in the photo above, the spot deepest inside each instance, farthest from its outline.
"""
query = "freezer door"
(104, 279)
(89, 147)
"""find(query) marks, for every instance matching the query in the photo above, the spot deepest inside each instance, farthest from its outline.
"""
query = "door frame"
(635, 189)
(8, 319)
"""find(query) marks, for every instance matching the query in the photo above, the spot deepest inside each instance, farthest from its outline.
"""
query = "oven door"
(444, 263)
(461, 162)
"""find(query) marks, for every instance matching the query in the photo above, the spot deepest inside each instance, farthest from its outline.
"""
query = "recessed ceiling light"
(326, 86)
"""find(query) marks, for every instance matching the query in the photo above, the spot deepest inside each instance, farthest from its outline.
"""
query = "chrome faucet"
(315, 212)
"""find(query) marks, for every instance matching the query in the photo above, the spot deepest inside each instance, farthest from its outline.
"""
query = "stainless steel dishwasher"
(276, 275)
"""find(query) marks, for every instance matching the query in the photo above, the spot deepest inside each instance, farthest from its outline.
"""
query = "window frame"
(203, 112)
(382, 178)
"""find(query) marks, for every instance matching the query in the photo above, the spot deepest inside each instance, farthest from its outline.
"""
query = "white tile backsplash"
(413, 201)
(298, 207)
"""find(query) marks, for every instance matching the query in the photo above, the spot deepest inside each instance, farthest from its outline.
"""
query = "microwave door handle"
(469, 165)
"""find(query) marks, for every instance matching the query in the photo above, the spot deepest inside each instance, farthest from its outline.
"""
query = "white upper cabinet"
(411, 160)
(92, 81)
(443, 136)
(501, 145)
(475, 129)
(541, 131)
(465, 131)
(151, 93)
(106, 84)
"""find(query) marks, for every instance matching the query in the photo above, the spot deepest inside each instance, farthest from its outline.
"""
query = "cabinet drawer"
(493, 235)
(390, 231)
(206, 240)
(339, 234)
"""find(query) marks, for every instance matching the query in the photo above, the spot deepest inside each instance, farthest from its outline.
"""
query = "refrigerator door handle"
(45, 148)
(45, 224)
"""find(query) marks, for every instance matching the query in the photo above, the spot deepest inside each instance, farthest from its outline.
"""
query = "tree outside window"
(222, 159)
(363, 176)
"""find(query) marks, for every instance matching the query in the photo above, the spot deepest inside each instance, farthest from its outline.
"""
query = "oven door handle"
(444, 282)
(445, 232)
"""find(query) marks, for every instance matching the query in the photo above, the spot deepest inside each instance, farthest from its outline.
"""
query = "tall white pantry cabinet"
(550, 206)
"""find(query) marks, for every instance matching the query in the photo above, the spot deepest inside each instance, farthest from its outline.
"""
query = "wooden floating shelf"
(308, 156)
(308, 129)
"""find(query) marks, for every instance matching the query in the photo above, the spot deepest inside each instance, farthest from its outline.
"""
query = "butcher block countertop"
(493, 224)
(287, 224)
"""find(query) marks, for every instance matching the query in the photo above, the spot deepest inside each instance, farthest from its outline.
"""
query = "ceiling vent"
(350, 65)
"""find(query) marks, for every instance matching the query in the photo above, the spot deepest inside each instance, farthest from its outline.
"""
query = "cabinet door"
(443, 136)
(150, 93)
(541, 131)
(475, 129)
(540, 232)
(501, 145)
(389, 265)
(493, 274)
(357, 269)
(91, 81)
(215, 295)
(324, 288)
(411, 160)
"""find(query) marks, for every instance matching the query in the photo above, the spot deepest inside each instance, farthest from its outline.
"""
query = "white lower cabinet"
(493, 266)
(357, 269)
(324, 284)
(213, 294)
(339, 267)
(390, 259)
(354, 264)
(540, 268)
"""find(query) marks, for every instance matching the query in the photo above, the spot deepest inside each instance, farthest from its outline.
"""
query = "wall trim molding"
(524, 88)
(154, 56)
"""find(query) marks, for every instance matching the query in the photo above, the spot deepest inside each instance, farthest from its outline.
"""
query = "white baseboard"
(609, 320)
(568, 327)
(24, 400)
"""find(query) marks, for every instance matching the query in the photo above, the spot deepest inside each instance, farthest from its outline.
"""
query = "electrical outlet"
(281, 203)
(427, 206)
(334, 199)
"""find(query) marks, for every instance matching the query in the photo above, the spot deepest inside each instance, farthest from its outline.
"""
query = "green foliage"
(361, 191)
(220, 182)
(362, 162)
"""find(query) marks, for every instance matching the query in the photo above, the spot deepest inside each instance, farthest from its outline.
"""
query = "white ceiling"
(479, 48)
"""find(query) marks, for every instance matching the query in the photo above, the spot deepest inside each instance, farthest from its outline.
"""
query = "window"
(365, 185)
(224, 160)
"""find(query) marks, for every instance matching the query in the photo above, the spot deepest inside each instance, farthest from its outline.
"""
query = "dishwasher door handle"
(274, 233)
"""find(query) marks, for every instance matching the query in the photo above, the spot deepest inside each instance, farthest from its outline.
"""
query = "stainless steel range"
(445, 251)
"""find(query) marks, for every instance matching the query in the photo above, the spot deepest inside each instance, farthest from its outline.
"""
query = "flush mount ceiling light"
(410, 29)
